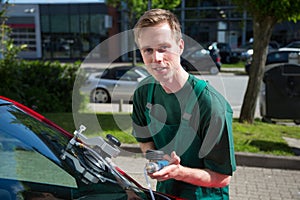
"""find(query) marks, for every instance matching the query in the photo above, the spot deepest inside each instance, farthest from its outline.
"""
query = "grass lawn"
(259, 137)
(240, 64)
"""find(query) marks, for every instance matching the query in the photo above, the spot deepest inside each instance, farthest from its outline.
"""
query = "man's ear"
(181, 46)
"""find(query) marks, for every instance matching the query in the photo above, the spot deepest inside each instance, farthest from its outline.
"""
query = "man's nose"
(157, 56)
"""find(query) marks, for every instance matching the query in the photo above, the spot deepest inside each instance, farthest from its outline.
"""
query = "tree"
(8, 50)
(265, 14)
(135, 8)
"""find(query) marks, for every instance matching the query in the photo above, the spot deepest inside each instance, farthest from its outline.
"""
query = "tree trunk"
(262, 31)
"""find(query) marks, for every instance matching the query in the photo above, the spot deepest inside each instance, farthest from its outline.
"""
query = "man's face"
(160, 51)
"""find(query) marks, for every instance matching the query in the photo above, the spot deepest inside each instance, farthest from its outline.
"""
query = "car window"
(120, 73)
(143, 71)
(20, 162)
(199, 54)
(294, 45)
(130, 76)
(277, 57)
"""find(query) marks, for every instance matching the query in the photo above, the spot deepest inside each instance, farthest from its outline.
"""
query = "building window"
(71, 31)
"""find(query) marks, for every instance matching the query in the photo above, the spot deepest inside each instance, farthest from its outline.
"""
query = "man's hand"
(200, 177)
(170, 171)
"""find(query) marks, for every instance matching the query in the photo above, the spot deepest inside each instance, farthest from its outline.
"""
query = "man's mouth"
(158, 69)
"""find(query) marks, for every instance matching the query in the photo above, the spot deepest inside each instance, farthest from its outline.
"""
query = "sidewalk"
(247, 183)
(258, 177)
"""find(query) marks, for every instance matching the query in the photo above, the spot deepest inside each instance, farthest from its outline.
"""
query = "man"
(185, 117)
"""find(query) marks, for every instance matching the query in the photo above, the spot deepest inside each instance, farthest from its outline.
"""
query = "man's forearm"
(203, 177)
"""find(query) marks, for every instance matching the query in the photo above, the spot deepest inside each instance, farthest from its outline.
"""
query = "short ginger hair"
(154, 17)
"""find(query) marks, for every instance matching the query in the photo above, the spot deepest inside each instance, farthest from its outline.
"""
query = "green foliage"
(44, 86)
(281, 10)
(8, 50)
(136, 8)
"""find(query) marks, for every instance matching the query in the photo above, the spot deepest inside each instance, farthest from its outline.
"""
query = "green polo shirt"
(212, 109)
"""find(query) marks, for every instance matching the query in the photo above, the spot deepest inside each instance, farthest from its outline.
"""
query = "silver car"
(113, 84)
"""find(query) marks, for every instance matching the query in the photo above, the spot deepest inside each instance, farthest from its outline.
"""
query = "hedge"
(44, 86)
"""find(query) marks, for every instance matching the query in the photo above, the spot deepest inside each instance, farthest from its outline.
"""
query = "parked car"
(280, 56)
(293, 46)
(245, 52)
(201, 60)
(113, 84)
(40, 160)
(224, 50)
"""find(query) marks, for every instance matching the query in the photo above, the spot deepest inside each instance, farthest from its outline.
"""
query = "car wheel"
(100, 95)
(214, 70)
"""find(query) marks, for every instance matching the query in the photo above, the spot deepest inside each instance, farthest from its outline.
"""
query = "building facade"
(60, 31)
(220, 21)
(69, 30)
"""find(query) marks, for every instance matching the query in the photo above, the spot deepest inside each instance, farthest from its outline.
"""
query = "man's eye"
(162, 49)
(148, 50)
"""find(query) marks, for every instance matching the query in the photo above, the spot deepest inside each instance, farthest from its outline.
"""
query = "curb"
(267, 161)
(242, 159)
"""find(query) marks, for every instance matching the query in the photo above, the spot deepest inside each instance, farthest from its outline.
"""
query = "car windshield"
(31, 151)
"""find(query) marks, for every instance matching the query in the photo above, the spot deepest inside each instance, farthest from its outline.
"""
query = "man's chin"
(162, 77)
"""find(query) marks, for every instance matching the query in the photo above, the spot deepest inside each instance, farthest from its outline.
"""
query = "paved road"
(247, 182)
(230, 86)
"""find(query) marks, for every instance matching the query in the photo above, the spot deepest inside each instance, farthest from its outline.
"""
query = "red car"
(40, 160)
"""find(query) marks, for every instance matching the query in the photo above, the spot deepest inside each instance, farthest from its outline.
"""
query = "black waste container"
(282, 87)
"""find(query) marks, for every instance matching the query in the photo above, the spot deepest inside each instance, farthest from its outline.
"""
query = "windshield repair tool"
(92, 157)
(156, 161)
